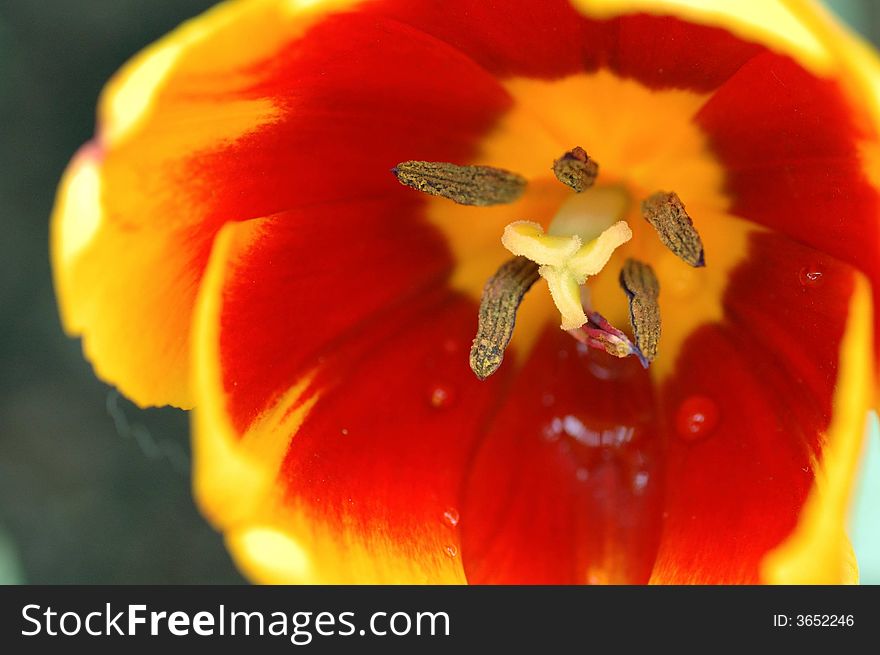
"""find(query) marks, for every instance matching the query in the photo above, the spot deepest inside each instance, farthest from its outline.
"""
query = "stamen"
(642, 287)
(576, 169)
(666, 214)
(466, 185)
(501, 298)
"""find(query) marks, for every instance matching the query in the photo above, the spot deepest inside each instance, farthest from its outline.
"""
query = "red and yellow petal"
(139, 206)
(818, 550)
(338, 427)
(798, 168)
(566, 485)
(781, 381)
(354, 462)
(776, 24)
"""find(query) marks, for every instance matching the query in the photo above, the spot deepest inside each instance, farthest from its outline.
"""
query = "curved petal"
(140, 203)
(777, 24)
(296, 307)
(751, 410)
(818, 551)
(798, 167)
(565, 488)
(232, 118)
(556, 41)
(352, 466)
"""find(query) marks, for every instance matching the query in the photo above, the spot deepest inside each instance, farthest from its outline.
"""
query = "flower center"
(579, 242)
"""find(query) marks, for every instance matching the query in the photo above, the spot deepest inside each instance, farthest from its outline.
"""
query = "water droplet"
(451, 517)
(450, 346)
(607, 367)
(810, 276)
(582, 474)
(599, 371)
(640, 482)
(451, 550)
(553, 429)
(697, 417)
(344, 432)
(441, 396)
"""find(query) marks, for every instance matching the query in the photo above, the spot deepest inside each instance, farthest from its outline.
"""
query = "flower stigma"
(565, 261)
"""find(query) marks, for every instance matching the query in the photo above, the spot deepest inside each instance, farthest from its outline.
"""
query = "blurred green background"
(92, 489)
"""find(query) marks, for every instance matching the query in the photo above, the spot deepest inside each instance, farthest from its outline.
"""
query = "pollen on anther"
(665, 212)
(576, 169)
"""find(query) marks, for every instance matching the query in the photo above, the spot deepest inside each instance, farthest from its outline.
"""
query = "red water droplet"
(697, 417)
(451, 550)
(451, 517)
(810, 276)
(441, 396)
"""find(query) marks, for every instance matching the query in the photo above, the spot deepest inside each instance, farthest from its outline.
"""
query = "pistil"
(566, 262)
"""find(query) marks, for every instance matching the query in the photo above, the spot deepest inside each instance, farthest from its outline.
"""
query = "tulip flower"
(495, 292)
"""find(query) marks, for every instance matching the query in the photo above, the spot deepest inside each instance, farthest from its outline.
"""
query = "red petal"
(564, 489)
(555, 40)
(313, 279)
(384, 476)
(735, 492)
(363, 427)
(792, 145)
(351, 112)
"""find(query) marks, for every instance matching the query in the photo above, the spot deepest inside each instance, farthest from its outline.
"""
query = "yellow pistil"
(566, 261)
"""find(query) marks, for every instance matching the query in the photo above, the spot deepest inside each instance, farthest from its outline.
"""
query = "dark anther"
(466, 185)
(501, 298)
(576, 170)
(666, 214)
(641, 286)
